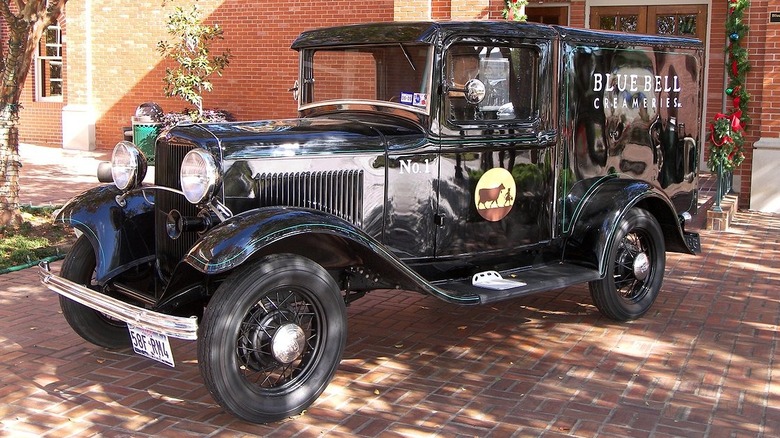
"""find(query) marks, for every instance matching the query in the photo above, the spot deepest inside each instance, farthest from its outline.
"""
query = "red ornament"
(736, 124)
(737, 101)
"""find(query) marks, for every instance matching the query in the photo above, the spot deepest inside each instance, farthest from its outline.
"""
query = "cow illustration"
(490, 196)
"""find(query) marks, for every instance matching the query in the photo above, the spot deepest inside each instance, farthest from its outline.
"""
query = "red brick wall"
(127, 70)
(441, 9)
(756, 17)
(263, 67)
(770, 120)
(40, 122)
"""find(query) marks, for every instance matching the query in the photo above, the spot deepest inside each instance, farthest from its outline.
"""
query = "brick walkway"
(701, 363)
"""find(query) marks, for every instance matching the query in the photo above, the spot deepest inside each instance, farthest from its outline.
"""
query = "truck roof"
(429, 32)
(416, 32)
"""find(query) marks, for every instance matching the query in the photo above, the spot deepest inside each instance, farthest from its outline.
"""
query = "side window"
(48, 69)
(508, 73)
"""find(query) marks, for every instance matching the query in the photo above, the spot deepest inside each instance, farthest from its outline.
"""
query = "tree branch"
(19, 4)
(54, 10)
(5, 11)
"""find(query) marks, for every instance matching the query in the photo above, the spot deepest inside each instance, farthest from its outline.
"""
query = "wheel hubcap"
(278, 340)
(287, 343)
(641, 266)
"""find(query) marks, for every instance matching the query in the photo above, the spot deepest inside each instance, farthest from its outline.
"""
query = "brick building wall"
(770, 120)
(112, 65)
(40, 122)
(755, 17)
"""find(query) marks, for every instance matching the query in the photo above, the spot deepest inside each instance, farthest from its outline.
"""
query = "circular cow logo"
(495, 194)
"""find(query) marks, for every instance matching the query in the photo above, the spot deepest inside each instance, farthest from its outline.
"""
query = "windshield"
(395, 74)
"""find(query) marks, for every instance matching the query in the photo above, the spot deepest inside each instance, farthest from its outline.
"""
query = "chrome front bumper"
(173, 326)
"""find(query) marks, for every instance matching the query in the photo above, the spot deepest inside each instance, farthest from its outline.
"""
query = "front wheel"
(272, 337)
(635, 270)
(95, 327)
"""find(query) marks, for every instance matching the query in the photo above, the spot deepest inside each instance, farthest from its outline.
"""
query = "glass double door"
(679, 20)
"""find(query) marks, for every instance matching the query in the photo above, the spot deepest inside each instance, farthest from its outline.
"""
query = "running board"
(529, 281)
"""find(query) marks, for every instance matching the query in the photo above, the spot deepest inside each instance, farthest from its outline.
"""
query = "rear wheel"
(95, 327)
(272, 337)
(637, 259)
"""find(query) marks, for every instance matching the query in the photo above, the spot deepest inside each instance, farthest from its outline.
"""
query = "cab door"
(496, 158)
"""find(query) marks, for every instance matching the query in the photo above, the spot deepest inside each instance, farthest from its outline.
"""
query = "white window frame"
(42, 61)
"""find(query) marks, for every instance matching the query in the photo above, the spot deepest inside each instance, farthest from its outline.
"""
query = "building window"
(48, 74)
(684, 20)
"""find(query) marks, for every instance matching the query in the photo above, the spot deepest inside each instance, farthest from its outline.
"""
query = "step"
(530, 281)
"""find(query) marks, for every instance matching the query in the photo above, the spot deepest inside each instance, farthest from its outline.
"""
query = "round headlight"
(128, 165)
(199, 176)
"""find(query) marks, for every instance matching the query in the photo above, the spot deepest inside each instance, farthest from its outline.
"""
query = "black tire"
(95, 327)
(242, 329)
(637, 259)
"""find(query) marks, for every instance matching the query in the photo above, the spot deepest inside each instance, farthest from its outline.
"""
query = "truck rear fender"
(596, 219)
(122, 236)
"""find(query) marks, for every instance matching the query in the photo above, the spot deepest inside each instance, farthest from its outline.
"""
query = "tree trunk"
(9, 170)
(25, 27)
(14, 74)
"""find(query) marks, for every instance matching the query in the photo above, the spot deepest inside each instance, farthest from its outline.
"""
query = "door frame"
(563, 11)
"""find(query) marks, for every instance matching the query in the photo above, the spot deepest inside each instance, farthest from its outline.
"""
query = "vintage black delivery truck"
(473, 161)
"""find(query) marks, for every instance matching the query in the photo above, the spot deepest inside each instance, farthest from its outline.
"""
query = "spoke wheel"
(93, 326)
(635, 272)
(272, 337)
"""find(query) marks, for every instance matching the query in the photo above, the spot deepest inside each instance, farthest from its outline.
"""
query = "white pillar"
(78, 114)
(78, 127)
(765, 184)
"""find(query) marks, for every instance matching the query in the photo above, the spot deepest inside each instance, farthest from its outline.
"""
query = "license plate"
(150, 344)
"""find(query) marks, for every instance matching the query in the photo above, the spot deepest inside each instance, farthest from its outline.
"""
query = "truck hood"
(306, 136)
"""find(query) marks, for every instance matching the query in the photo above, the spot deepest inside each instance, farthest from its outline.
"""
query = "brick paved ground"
(701, 363)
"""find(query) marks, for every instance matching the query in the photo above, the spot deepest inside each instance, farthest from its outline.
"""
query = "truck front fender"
(314, 234)
(599, 212)
(121, 236)
(326, 239)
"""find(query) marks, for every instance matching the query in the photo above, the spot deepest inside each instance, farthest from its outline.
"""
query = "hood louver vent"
(339, 193)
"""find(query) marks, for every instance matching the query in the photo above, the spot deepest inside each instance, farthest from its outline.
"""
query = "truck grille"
(168, 159)
(339, 193)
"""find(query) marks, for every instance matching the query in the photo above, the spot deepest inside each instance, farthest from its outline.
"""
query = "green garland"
(726, 131)
(515, 10)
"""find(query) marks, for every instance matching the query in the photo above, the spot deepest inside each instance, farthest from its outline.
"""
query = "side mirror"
(474, 91)
(294, 90)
